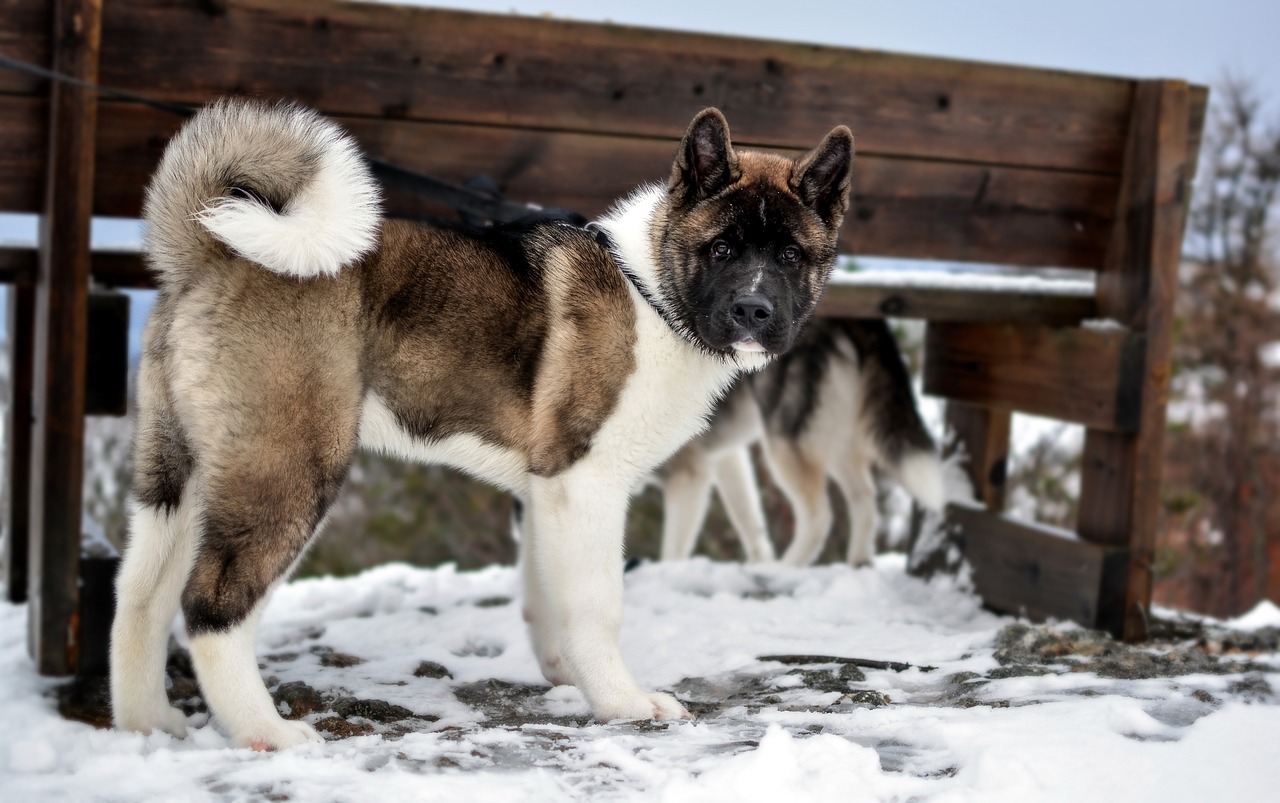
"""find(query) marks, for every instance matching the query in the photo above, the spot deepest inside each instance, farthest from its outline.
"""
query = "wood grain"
(902, 208)
(61, 329)
(1087, 376)
(1120, 476)
(439, 65)
(1035, 571)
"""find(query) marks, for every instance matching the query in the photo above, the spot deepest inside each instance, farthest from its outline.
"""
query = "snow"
(1067, 736)
(1264, 614)
(979, 282)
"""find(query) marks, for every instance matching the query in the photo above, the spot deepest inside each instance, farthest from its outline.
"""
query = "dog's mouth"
(748, 344)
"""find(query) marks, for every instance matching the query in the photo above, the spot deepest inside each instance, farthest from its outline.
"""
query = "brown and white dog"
(836, 404)
(294, 326)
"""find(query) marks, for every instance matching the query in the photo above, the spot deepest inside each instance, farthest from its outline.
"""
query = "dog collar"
(606, 242)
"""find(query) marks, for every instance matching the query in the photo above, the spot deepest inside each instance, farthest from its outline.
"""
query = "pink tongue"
(259, 745)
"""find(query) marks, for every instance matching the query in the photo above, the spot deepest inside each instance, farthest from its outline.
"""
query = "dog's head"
(749, 238)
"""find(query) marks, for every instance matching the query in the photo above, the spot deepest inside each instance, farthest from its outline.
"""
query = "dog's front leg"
(578, 523)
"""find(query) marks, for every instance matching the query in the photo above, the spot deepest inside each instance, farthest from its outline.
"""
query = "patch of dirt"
(1023, 650)
(511, 704)
(431, 669)
(339, 660)
(86, 700)
(340, 728)
(300, 699)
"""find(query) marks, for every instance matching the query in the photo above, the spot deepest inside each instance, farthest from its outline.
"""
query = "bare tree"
(1225, 439)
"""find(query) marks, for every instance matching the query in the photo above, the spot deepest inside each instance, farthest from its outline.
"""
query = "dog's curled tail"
(277, 184)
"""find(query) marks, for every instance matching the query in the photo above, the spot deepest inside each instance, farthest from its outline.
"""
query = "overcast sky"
(1188, 39)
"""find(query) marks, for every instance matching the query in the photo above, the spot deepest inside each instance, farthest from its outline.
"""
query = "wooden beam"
(1088, 376)
(62, 297)
(902, 207)
(21, 323)
(1120, 475)
(449, 66)
(1036, 571)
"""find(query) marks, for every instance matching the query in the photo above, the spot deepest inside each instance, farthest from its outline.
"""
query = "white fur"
(921, 474)
(735, 481)
(158, 559)
(332, 221)
(574, 546)
(380, 430)
(232, 686)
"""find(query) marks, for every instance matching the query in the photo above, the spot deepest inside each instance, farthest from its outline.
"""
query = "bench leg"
(18, 434)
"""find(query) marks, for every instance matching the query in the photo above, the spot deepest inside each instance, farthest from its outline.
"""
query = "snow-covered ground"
(991, 710)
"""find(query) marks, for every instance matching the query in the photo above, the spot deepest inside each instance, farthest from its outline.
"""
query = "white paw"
(278, 735)
(163, 718)
(645, 705)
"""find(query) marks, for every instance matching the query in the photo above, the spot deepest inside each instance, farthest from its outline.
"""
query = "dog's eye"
(721, 249)
(791, 254)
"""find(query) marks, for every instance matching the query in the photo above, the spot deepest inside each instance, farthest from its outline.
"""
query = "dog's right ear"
(705, 163)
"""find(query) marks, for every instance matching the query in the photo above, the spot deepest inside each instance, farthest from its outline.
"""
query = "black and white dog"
(294, 326)
(836, 404)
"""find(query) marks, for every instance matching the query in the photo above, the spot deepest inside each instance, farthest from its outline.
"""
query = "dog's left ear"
(823, 176)
(705, 163)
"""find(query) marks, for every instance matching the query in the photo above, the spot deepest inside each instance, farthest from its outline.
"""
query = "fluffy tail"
(905, 446)
(277, 184)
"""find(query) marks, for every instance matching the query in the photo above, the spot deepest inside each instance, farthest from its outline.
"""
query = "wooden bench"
(955, 161)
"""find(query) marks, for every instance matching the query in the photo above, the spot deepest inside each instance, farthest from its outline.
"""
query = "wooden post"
(1120, 476)
(18, 432)
(984, 432)
(61, 321)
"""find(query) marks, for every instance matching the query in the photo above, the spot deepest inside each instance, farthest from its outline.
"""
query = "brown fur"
(270, 390)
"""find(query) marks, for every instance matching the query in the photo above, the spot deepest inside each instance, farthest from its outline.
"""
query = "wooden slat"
(1091, 377)
(1120, 476)
(61, 291)
(984, 434)
(441, 65)
(954, 304)
(1035, 571)
(21, 323)
(903, 208)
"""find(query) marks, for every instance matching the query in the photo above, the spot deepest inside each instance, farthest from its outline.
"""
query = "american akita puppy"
(836, 404)
(294, 325)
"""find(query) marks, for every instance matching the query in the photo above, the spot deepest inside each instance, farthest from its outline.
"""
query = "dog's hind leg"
(686, 494)
(162, 536)
(853, 477)
(803, 479)
(735, 481)
(262, 505)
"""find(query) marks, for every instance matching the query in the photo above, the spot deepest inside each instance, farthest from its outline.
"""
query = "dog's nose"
(752, 312)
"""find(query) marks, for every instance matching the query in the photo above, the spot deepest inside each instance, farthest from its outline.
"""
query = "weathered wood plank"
(21, 324)
(1032, 570)
(1120, 476)
(61, 291)
(1091, 377)
(902, 208)
(442, 65)
(954, 304)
